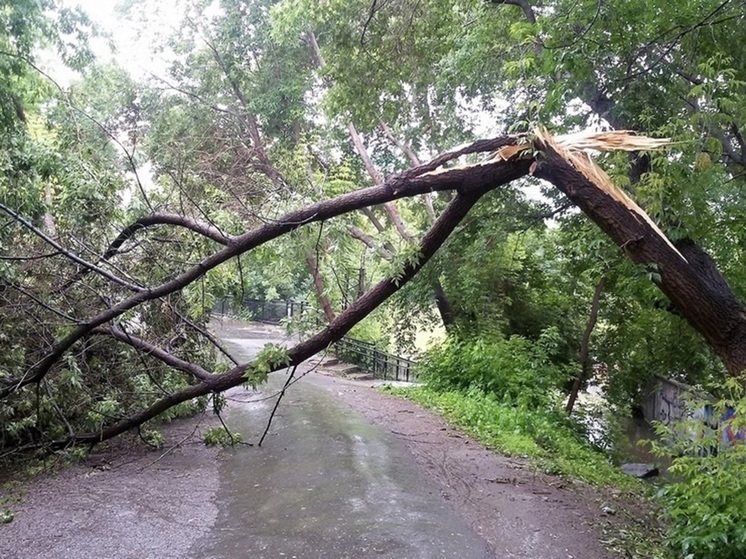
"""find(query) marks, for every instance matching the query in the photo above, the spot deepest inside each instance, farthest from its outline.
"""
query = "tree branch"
(688, 276)
(473, 180)
(390, 208)
(367, 240)
(528, 11)
(62, 250)
(431, 242)
(159, 218)
(154, 351)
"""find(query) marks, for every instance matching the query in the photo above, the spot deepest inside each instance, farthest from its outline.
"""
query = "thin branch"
(413, 159)
(367, 240)
(152, 220)
(112, 137)
(277, 404)
(154, 351)
(70, 430)
(203, 332)
(161, 218)
(39, 302)
(225, 427)
(405, 149)
(378, 179)
(74, 257)
(176, 445)
(193, 95)
(675, 40)
(580, 36)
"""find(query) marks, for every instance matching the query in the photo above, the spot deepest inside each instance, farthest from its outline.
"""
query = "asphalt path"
(326, 483)
(345, 472)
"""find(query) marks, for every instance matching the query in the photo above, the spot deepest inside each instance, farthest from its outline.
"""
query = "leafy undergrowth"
(550, 442)
(706, 508)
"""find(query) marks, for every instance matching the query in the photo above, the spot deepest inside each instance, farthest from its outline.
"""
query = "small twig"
(70, 430)
(177, 445)
(277, 404)
(220, 417)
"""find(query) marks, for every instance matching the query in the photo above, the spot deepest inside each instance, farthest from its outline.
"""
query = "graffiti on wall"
(667, 404)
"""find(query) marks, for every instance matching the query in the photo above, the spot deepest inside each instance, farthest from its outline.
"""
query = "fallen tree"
(686, 274)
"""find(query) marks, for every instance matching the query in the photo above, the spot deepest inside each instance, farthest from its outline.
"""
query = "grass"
(548, 438)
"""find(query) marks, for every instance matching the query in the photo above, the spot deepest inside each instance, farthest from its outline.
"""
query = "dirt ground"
(158, 503)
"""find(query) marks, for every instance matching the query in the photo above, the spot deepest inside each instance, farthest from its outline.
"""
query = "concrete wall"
(666, 401)
(666, 404)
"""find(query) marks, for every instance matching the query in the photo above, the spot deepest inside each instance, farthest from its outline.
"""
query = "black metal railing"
(273, 312)
(270, 312)
(371, 359)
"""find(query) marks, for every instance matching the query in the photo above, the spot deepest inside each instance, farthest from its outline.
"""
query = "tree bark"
(445, 308)
(688, 276)
(318, 284)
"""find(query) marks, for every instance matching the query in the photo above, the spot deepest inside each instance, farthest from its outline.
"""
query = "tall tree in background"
(659, 68)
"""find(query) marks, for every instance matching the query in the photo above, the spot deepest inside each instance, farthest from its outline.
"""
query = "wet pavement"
(325, 484)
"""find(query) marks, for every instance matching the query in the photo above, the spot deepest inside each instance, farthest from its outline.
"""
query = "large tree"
(240, 164)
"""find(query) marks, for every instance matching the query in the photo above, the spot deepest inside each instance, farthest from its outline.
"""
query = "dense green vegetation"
(543, 434)
(126, 202)
(705, 508)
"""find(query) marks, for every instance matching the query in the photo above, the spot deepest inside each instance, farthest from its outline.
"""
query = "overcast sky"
(134, 50)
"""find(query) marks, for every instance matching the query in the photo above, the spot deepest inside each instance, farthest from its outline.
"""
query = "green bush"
(517, 371)
(219, 436)
(706, 507)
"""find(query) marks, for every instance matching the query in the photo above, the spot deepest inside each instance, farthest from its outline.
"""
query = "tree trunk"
(585, 343)
(445, 308)
(318, 284)
(687, 275)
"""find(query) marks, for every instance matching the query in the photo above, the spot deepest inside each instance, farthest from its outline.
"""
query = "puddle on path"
(325, 484)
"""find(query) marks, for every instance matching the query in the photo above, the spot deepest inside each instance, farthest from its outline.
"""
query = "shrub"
(706, 506)
(517, 371)
(218, 436)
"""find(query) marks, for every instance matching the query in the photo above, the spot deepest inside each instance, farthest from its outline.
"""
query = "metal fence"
(371, 359)
(273, 312)
(270, 312)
